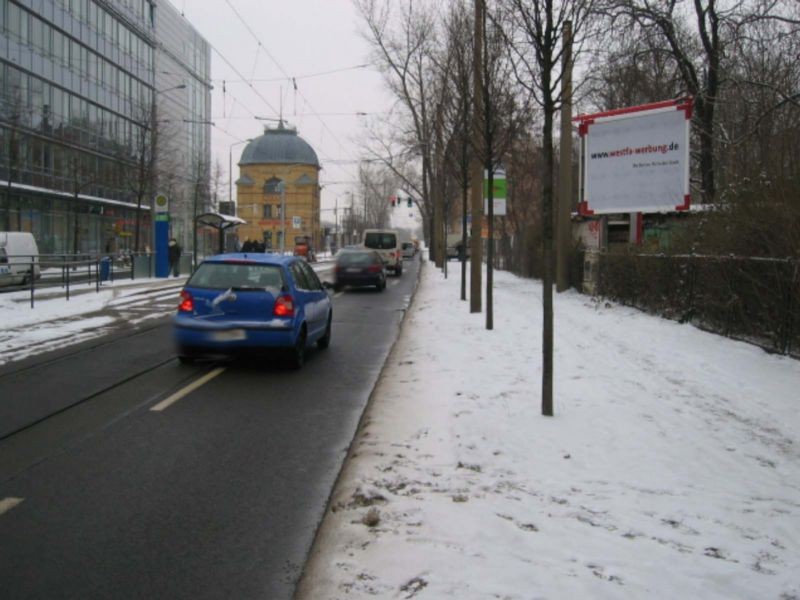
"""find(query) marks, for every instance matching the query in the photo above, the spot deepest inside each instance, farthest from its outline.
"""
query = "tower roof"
(281, 145)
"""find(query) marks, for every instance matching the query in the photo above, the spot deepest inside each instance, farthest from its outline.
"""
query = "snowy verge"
(671, 468)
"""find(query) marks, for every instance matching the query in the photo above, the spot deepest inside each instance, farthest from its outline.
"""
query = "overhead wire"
(299, 77)
(282, 70)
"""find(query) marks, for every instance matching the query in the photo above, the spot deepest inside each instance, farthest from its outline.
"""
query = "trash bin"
(105, 268)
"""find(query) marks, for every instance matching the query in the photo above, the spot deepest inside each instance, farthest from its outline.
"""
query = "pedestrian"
(174, 257)
(247, 246)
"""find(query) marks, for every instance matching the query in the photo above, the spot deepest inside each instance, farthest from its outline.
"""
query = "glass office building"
(79, 104)
(183, 71)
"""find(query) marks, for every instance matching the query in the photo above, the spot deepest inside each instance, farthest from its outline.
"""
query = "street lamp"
(230, 167)
(180, 86)
(282, 188)
(149, 130)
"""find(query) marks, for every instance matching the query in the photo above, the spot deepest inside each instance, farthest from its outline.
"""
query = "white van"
(18, 250)
(386, 242)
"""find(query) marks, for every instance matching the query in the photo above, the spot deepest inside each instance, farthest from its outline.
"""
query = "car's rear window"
(380, 241)
(357, 258)
(236, 275)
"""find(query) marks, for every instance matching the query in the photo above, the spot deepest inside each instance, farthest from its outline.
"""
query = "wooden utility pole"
(464, 195)
(440, 226)
(564, 225)
(477, 169)
(488, 137)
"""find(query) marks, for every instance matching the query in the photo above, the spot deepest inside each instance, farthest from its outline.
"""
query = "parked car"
(19, 257)
(254, 304)
(359, 268)
(386, 242)
(408, 250)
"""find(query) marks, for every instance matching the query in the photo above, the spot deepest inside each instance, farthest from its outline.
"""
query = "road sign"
(498, 193)
(297, 222)
(161, 203)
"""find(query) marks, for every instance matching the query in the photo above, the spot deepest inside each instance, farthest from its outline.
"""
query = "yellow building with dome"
(279, 159)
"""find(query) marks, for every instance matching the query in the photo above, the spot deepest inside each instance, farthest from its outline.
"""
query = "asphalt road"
(218, 495)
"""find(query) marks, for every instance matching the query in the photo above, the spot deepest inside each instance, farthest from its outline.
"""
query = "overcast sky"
(279, 40)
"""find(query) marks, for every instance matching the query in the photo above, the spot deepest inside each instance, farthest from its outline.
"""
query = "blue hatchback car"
(252, 303)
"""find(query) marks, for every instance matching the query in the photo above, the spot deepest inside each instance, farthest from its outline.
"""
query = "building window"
(268, 211)
(272, 186)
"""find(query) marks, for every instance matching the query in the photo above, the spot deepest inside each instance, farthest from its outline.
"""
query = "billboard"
(636, 159)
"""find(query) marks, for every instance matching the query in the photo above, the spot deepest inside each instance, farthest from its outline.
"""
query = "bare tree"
(700, 43)
(377, 183)
(15, 114)
(533, 31)
(459, 29)
(201, 183)
(82, 175)
(402, 48)
(217, 184)
(631, 70)
(148, 160)
(503, 111)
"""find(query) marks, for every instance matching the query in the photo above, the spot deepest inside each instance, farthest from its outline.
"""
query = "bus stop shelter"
(222, 223)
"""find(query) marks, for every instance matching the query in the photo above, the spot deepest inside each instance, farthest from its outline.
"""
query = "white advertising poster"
(636, 160)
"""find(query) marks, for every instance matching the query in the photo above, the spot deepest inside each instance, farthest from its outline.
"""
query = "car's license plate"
(353, 270)
(5, 270)
(229, 335)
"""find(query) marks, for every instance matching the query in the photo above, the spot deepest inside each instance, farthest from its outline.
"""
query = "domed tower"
(278, 168)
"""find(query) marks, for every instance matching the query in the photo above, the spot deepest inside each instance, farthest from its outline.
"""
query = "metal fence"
(71, 272)
(748, 298)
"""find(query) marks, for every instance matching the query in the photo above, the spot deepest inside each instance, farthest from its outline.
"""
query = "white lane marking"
(337, 294)
(6, 504)
(187, 390)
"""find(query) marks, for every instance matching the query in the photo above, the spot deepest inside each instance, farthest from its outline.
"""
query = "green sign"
(498, 187)
(498, 193)
(162, 217)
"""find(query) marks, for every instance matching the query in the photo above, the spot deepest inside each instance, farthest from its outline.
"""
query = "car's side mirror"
(327, 285)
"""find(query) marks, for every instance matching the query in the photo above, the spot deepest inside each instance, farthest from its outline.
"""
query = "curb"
(314, 551)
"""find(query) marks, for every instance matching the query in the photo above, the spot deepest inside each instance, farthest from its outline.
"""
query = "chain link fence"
(748, 298)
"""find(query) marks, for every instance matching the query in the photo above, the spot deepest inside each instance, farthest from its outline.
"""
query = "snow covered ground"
(55, 322)
(671, 468)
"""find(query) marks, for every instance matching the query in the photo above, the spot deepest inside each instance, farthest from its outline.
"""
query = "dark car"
(254, 304)
(359, 268)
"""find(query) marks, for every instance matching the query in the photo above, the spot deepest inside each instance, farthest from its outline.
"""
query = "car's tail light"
(284, 306)
(375, 268)
(187, 302)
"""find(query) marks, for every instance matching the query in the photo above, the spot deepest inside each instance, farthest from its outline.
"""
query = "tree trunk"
(477, 175)
(547, 280)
